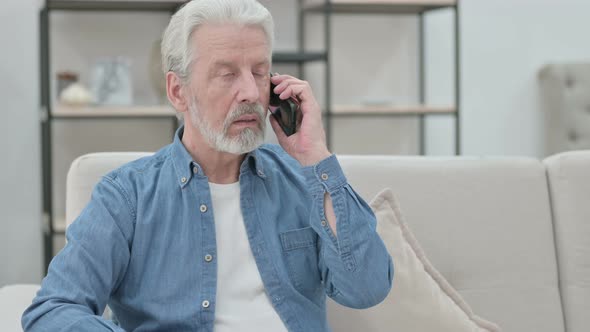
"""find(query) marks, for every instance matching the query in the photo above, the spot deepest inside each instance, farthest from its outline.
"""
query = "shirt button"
(208, 258)
(183, 180)
(195, 170)
(203, 208)
(205, 304)
(324, 176)
(260, 173)
(324, 223)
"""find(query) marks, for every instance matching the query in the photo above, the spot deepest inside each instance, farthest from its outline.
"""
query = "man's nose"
(248, 89)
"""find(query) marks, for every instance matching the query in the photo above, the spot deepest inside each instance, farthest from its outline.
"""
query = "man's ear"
(176, 93)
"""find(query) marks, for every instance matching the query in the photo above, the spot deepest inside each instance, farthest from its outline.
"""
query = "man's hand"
(308, 144)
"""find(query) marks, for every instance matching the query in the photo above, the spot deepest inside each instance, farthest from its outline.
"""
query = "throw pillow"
(421, 300)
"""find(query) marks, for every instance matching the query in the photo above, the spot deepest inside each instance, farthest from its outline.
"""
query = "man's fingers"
(278, 78)
(292, 91)
(282, 84)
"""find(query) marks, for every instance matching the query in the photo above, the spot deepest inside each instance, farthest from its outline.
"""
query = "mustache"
(245, 109)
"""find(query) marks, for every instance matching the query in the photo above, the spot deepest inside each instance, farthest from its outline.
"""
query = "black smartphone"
(286, 112)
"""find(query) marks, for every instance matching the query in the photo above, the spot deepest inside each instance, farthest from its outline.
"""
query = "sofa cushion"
(569, 185)
(485, 224)
(420, 299)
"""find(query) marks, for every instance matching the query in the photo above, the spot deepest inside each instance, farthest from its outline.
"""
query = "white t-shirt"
(242, 303)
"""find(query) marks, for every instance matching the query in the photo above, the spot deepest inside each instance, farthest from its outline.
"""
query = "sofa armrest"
(14, 300)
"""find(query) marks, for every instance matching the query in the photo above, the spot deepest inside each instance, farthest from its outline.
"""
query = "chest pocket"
(301, 255)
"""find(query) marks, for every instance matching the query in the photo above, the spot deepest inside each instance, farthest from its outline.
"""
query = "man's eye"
(228, 74)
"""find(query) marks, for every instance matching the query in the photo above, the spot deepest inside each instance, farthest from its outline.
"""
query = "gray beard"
(246, 141)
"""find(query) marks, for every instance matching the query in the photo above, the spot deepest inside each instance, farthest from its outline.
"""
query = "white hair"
(177, 51)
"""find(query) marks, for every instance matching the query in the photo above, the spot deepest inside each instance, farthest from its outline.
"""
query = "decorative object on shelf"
(75, 94)
(111, 82)
(157, 76)
(65, 79)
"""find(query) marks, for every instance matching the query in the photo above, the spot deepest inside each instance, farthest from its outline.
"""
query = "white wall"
(20, 182)
(439, 56)
(504, 44)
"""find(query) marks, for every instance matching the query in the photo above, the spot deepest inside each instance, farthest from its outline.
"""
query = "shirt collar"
(186, 167)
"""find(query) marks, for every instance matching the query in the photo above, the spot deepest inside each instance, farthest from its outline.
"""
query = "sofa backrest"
(569, 184)
(484, 223)
(85, 172)
(14, 300)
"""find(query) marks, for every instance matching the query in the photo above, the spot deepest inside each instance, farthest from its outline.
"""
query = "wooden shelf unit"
(377, 6)
(114, 5)
(366, 110)
(64, 111)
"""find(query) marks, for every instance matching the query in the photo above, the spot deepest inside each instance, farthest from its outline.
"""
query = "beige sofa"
(512, 235)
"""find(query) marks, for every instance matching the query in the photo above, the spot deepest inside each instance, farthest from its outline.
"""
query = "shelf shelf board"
(298, 57)
(64, 112)
(378, 6)
(364, 110)
(130, 5)
(59, 225)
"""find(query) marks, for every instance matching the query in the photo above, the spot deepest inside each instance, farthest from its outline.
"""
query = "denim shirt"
(140, 246)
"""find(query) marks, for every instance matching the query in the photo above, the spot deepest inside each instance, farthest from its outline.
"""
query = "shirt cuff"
(327, 175)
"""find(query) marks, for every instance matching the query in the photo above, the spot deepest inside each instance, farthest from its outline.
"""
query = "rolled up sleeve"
(356, 268)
